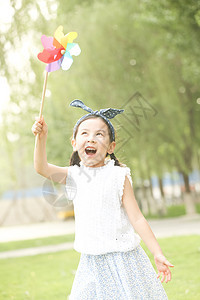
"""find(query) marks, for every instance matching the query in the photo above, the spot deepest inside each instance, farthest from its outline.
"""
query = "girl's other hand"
(163, 265)
(40, 127)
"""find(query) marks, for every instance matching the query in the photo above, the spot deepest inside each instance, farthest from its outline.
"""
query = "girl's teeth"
(90, 151)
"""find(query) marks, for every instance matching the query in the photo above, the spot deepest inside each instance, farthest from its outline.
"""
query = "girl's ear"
(111, 147)
(73, 142)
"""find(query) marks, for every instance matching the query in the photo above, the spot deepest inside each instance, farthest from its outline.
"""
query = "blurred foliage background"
(142, 56)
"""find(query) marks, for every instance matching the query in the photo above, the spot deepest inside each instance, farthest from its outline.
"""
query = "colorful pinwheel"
(57, 53)
(58, 50)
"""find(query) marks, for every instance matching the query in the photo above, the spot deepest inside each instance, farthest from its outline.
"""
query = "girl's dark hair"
(75, 159)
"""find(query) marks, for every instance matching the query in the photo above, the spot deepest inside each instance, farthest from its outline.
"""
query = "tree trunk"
(162, 209)
(188, 198)
(144, 201)
(152, 201)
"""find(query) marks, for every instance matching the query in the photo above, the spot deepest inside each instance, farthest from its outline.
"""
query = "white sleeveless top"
(101, 221)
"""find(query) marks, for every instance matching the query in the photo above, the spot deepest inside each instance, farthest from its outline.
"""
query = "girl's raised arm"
(55, 173)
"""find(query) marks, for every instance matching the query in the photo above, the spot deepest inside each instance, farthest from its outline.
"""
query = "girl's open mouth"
(90, 151)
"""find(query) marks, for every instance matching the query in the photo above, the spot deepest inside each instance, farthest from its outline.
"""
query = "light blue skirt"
(117, 276)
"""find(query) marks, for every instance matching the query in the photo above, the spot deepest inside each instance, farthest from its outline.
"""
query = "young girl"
(113, 265)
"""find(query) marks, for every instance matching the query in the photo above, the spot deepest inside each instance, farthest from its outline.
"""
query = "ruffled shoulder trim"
(125, 171)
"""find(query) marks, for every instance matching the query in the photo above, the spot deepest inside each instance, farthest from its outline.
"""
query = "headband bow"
(108, 113)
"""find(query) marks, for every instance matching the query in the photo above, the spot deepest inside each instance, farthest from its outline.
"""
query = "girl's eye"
(83, 132)
(99, 133)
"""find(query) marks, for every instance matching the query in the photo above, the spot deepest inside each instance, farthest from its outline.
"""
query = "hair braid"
(75, 159)
(117, 163)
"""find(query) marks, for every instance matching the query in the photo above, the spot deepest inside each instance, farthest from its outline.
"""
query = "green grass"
(53, 240)
(50, 276)
(173, 211)
(41, 277)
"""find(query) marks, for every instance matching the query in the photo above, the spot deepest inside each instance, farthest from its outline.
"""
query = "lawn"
(50, 276)
(52, 240)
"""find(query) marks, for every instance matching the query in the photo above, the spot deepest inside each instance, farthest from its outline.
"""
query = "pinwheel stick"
(42, 101)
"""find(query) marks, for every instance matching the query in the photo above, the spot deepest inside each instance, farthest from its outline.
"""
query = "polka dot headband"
(108, 113)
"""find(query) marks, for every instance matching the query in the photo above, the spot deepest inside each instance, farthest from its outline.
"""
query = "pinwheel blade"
(67, 61)
(73, 49)
(58, 35)
(68, 38)
(47, 42)
(48, 56)
(54, 66)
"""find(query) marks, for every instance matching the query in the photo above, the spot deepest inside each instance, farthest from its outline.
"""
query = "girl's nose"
(91, 138)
